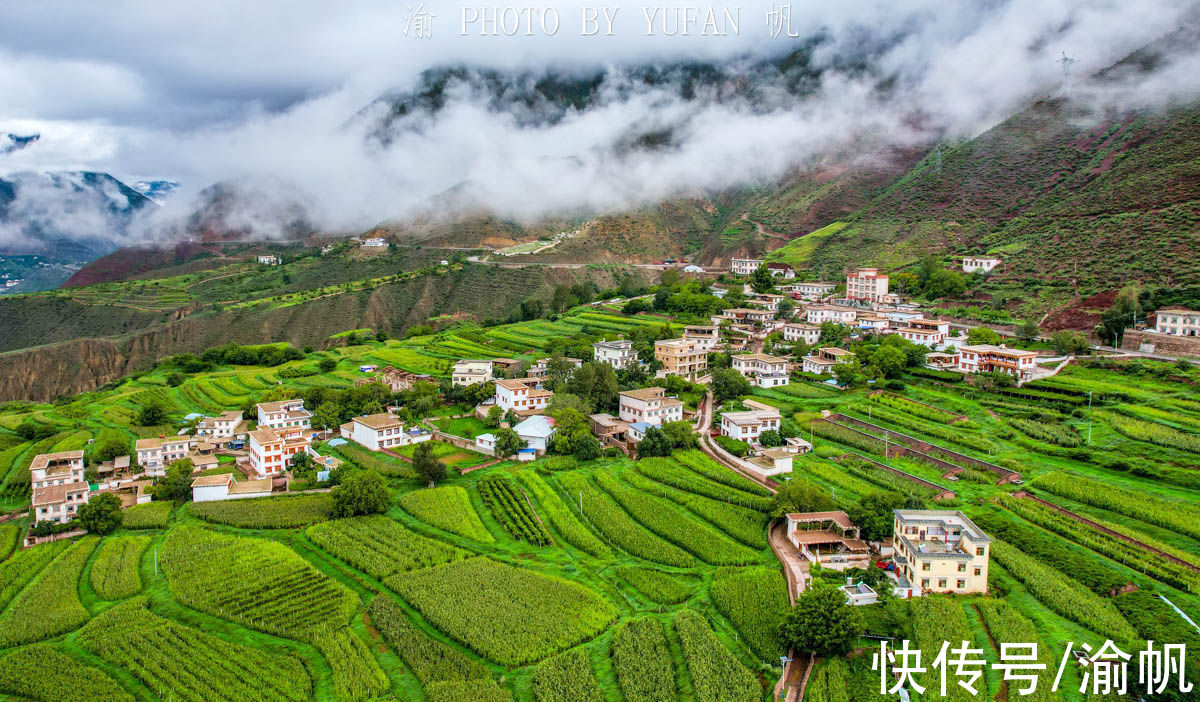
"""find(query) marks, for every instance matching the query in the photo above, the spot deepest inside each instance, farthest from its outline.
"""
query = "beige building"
(823, 360)
(62, 468)
(706, 336)
(649, 405)
(682, 357)
(470, 372)
(744, 266)
(807, 333)
(867, 284)
(761, 369)
(940, 551)
(1177, 321)
(985, 358)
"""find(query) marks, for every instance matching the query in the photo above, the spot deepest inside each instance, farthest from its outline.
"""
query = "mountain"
(156, 190)
(12, 142)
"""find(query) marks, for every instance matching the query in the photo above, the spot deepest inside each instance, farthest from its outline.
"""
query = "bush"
(735, 446)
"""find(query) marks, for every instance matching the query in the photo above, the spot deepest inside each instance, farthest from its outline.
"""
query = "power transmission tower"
(938, 158)
(1066, 62)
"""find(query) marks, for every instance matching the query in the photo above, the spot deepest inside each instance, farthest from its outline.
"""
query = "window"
(961, 583)
(924, 566)
(962, 567)
(978, 550)
(924, 582)
(941, 582)
(978, 571)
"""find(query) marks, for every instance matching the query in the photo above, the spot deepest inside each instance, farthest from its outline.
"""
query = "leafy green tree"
(1070, 342)
(654, 443)
(109, 448)
(301, 462)
(770, 439)
(800, 495)
(495, 414)
(873, 514)
(944, 283)
(822, 623)
(508, 443)
(761, 280)
(327, 364)
(328, 414)
(175, 379)
(426, 465)
(680, 434)
(101, 514)
(982, 335)
(176, 484)
(1028, 329)
(151, 415)
(850, 373)
(786, 307)
(587, 448)
(728, 384)
(889, 361)
(363, 492)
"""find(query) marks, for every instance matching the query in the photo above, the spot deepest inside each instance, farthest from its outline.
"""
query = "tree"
(327, 364)
(680, 434)
(301, 462)
(363, 492)
(889, 360)
(508, 443)
(761, 280)
(822, 623)
(426, 465)
(1028, 329)
(982, 335)
(905, 282)
(495, 414)
(770, 439)
(786, 307)
(873, 514)
(800, 495)
(176, 484)
(151, 415)
(175, 379)
(1069, 342)
(328, 414)
(102, 514)
(944, 283)
(109, 448)
(728, 384)
(587, 448)
(654, 443)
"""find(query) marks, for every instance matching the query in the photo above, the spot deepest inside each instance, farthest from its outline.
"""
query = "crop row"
(284, 512)
(16, 572)
(955, 434)
(1151, 432)
(936, 620)
(567, 678)
(717, 675)
(430, 660)
(744, 524)
(41, 672)
(671, 473)
(50, 604)
(618, 527)
(643, 662)
(561, 517)
(884, 478)
(1054, 433)
(1171, 514)
(510, 615)
(151, 515)
(755, 600)
(655, 585)
(1005, 624)
(380, 546)
(908, 406)
(356, 674)
(696, 461)
(448, 508)
(510, 507)
(115, 571)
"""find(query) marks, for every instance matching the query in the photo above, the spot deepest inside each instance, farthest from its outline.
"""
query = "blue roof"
(337, 442)
(526, 450)
(640, 426)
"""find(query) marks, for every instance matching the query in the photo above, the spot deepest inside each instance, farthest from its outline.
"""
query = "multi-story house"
(541, 368)
(781, 270)
(385, 430)
(220, 428)
(985, 358)
(809, 291)
(618, 354)
(872, 323)
(768, 301)
(521, 395)
(398, 380)
(285, 414)
(819, 314)
(823, 360)
(374, 242)
(927, 332)
(971, 264)
(682, 357)
(154, 455)
(749, 424)
(744, 266)
(706, 336)
(807, 333)
(940, 551)
(470, 372)
(59, 503)
(1177, 321)
(271, 450)
(761, 369)
(649, 405)
(50, 469)
(828, 538)
(867, 284)
(269, 260)
(746, 315)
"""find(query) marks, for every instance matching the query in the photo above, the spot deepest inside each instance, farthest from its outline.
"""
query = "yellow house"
(940, 551)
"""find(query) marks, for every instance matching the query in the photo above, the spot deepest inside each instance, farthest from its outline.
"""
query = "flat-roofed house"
(867, 284)
(822, 360)
(940, 551)
(971, 264)
(618, 354)
(808, 333)
(221, 427)
(747, 315)
(1177, 321)
(828, 538)
(769, 301)
(650, 405)
(284, 414)
(927, 332)
(155, 454)
(58, 503)
(761, 369)
(50, 469)
(271, 450)
(780, 270)
(744, 266)
(772, 461)
(748, 425)
(985, 358)
(810, 290)
(682, 357)
(213, 488)
(471, 372)
(707, 336)
(819, 314)
(521, 395)
(541, 368)
(385, 430)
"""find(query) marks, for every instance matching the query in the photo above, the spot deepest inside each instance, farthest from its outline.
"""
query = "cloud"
(262, 97)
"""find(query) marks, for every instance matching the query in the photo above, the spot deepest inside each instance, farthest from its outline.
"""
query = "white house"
(781, 270)
(808, 333)
(927, 332)
(971, 264)
(984, 358)
(486, 443)
(749, 424)
(384, 430)
(809, 291)
(772, 461)
(761, 369)
(618, 354)
(269, 260)
(541, 368)
(867, 284)
(374, 242)
(285, 414)
(650, 405)
(470, 372)
(62, 468)
(536, 432)
(818, 314)
(214, 488)
(58, 503)
(154, 455)
(768, 301)
(822, 360)
(522, 396)
(706, 336)
(271, 451)
(744, 266)
(1177, 321)
(223, 426)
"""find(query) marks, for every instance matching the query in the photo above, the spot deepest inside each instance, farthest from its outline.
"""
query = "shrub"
(737, 447)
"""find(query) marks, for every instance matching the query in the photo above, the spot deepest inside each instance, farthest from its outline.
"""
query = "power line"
(1066, 62)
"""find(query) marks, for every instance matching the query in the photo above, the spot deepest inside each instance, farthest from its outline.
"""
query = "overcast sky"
(216, 89)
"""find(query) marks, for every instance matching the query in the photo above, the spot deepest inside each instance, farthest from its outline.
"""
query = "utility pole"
(1066, 62)
(1089, 440)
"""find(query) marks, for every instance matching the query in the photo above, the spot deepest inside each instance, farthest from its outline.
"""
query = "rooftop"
(278, 406)
(248, 486)
(761, 357)
(1003, 350)
(51, 461)
(837, 517)
(651, 393)
(56, 494)
(212, 480)
(942, 517)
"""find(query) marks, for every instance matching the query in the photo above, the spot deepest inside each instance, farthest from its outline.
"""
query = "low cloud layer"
(266, 99)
